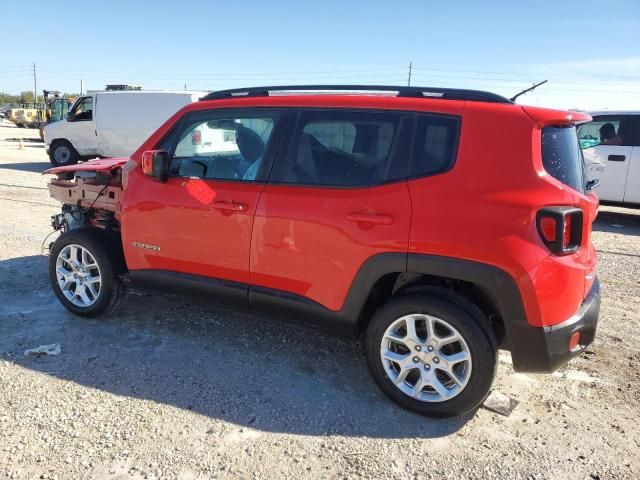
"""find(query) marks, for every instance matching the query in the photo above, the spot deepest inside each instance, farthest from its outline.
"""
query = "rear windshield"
(562, 157)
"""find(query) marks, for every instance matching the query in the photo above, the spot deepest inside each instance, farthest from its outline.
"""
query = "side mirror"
(591, 184)
(71, 117)
(155, 163)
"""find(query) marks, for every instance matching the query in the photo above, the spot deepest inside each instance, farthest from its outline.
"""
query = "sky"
(589, 51)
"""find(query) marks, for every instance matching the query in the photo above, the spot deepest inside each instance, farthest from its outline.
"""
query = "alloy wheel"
(426, 358)
(78, 275)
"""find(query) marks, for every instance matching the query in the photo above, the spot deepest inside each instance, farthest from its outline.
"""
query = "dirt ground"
(166, 388)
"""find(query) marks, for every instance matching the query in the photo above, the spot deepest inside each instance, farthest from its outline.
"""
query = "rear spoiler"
(544, 117)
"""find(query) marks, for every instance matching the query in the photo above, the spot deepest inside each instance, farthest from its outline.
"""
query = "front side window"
(83, 110)
(562, 157)
(226, 148)
(340, 148)
(603, 130)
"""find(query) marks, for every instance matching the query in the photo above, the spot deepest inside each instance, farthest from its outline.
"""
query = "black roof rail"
(402, 91)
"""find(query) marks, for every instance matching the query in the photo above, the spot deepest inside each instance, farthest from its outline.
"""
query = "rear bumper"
(544, 349)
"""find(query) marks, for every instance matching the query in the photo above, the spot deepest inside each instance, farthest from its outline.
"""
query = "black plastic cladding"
(403, 91)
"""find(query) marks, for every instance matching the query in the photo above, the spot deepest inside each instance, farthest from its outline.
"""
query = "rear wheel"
(62, 153)
(432, 354)
(83, 270)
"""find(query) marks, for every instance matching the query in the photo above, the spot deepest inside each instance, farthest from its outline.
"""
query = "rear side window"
(562, 157)
(435, 146)
(343, 149)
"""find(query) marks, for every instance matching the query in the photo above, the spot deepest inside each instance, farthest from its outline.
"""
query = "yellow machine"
(27, 118)
(55, 108)
(13, 114)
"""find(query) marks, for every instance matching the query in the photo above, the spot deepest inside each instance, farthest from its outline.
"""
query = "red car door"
(336, 197)
(197, 225)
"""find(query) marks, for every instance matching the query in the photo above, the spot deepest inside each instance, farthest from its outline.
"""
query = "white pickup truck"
(611, 148)
(111, 123)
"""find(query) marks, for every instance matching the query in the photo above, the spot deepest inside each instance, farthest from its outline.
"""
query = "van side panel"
(125, 120)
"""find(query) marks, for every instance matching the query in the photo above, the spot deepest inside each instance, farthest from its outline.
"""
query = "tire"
(62, 153)
(100, 297)
(447, 313)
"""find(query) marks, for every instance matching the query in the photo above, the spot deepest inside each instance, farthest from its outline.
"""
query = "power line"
(525, 74)
(226, 74)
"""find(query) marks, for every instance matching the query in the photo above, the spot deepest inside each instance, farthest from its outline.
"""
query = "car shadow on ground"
(238, 367)
(623, 222)
(37, 167)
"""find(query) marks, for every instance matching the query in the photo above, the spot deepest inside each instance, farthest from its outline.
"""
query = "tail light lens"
(196, 137)
(560, 229)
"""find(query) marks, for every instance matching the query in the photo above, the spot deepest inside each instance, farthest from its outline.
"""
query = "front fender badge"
(146, 246)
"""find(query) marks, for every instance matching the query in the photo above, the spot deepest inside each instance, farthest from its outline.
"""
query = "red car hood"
(99, 164)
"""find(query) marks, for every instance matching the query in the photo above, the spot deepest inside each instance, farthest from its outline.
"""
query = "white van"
(611, 148)
(111, 123)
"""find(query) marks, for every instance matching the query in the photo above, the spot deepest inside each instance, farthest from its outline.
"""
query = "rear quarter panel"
(484, 208)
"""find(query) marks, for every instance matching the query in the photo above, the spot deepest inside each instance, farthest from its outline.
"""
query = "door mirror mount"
(591, 184)
(155, 163)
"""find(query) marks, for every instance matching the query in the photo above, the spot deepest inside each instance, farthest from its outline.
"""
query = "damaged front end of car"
(90, 194)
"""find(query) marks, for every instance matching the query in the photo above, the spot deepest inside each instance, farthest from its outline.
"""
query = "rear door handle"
(231, 207)
(376, 219)
(617, 158)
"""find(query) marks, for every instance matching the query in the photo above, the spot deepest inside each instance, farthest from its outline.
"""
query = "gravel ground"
(165, 388)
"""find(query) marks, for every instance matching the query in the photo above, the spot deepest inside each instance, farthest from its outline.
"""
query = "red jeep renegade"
(439, 224)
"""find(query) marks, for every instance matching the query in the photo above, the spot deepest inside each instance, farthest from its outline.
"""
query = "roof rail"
(402, 91)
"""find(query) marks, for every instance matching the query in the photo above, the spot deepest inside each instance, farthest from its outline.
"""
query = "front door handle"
(617, 158)
(231, 206)
(374, 218)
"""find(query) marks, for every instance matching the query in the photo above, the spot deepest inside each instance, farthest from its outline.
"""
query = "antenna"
(513, 99)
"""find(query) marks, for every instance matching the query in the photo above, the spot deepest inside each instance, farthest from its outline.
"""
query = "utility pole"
(409, 79)
(185, 87)
(35, 86)
(81, 87)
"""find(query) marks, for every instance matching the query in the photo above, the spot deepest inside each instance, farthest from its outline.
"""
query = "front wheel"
(62, 153)
(432, 354)
(83, 270)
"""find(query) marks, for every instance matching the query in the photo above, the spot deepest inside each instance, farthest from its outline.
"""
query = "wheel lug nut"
(416, 359)
(436, 360)
(427, 366)
(418, 348)
(430, 348)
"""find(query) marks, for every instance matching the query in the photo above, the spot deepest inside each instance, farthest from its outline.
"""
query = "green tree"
(26, 97)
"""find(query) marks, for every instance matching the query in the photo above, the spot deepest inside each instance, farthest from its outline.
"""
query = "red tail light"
(560, 229)
(566, 232)
(196, 137)
(548, 229)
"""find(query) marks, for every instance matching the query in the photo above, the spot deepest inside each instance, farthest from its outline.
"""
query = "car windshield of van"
(602, 131)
